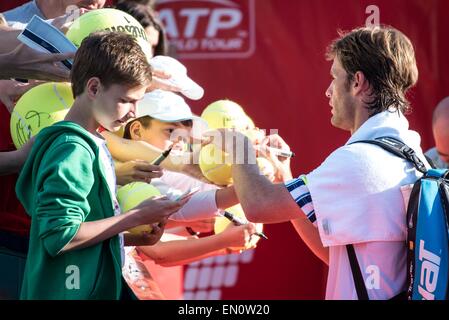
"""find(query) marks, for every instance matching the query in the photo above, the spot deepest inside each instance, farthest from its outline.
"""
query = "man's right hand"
(282, 165)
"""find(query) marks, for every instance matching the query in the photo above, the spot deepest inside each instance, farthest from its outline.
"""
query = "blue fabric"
(431, 243)
(20, 16)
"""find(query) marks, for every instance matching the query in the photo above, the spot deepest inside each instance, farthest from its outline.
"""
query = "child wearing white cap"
(158, 116)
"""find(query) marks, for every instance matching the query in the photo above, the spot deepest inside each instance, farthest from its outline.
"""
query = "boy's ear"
(135, 130)
(92, 87)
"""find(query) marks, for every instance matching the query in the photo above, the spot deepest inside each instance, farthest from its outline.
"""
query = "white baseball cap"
(164, 106)
(179, 77)
(167, 106)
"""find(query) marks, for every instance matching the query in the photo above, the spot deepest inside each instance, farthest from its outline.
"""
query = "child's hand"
(157, 210)
(155, 235)
(145, 238)
(136, 170)
(157, 82)
(239, 238)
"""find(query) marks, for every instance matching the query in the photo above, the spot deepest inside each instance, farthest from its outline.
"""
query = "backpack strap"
(359, 283)
(403, 151)
(399, 149)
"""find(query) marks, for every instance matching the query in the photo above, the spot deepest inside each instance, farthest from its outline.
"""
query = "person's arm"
(8, 38)
(12, 161)
(271, 203)
(136, 170)
(261, 200)
(26, 63)
(11, 90)
(226, 198)
(265, 202)
(309, 234)
(180, 227)
(179, 252)
(148, 212)
(128, 150)
(63, 182)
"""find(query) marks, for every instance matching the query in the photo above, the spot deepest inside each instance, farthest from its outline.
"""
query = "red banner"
(279, 74)
(268, 56)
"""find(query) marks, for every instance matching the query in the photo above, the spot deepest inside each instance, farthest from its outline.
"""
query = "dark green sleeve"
(65, 179)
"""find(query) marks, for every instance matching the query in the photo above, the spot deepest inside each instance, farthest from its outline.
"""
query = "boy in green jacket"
(67, 184)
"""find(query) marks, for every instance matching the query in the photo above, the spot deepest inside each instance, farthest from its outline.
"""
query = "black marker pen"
(162, 157)
(238, 222)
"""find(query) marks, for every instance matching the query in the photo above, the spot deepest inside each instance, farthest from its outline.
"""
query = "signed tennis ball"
(38, 108)
(131, 195)
(225, 114)
(214, 166)
(254, 135)
(107, 19)
(266, 168)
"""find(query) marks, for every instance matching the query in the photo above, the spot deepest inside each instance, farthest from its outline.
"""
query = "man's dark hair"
(386, 58)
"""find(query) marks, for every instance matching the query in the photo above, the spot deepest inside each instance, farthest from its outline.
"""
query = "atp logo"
(205, 29)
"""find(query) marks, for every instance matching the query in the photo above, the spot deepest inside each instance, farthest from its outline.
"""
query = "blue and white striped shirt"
(300, 193)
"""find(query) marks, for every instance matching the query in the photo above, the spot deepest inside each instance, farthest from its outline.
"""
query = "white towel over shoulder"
(356, 191)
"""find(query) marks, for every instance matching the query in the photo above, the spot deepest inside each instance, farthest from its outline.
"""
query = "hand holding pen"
(162, 157)
(237, 221)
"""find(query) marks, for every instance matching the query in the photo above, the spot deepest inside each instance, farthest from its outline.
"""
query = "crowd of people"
(59, 191)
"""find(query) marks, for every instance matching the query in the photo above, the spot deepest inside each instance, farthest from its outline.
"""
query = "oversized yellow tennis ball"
(225, 114)
(214, 166)
(266, 167)
(221, 223)
(250, 125)
(120, 133)
(254, 135)
(131, 195)
(38, 108)
(106, 19)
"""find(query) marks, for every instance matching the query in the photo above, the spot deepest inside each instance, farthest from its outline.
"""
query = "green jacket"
(62, 185)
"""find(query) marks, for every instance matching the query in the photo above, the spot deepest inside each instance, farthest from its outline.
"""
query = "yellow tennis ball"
(106, 19)
(221, 223)
(131, 195)
(250, 123)
(266, 167)
(120, 133)
(38, 108)
(254, 135)
(225, 114)
(214, 166)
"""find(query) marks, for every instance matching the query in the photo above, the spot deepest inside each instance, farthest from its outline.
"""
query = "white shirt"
(201, 206)
(109, 169)
(357, 197)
